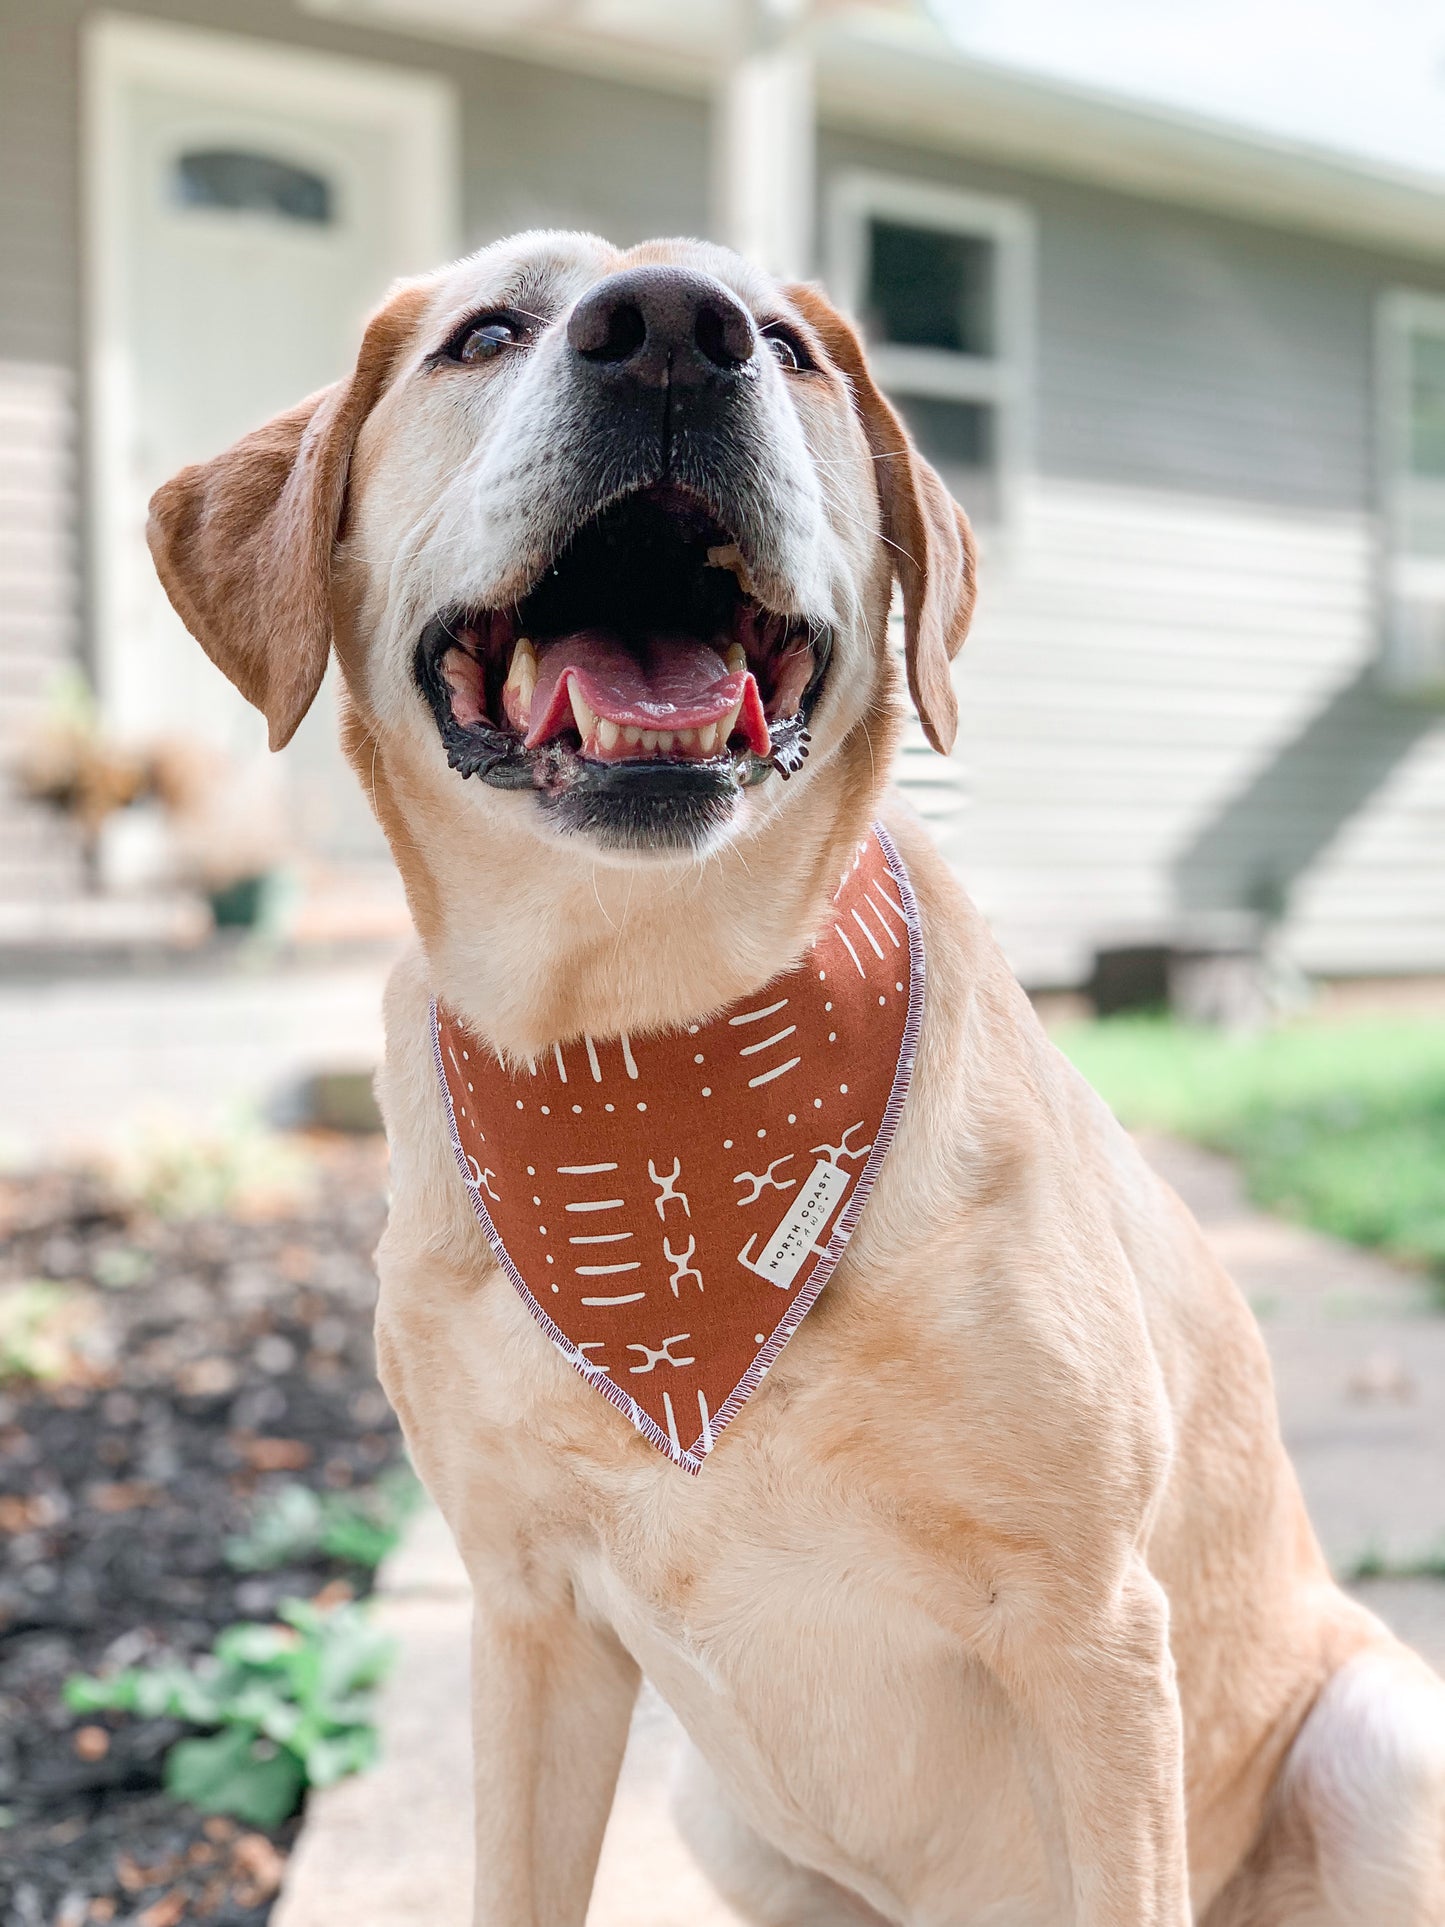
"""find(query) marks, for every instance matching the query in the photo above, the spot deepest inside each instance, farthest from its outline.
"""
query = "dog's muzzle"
(640, 684)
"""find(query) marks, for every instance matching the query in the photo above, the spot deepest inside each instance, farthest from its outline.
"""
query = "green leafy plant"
(44, 1328)
(291, 1704)
(295, 1523)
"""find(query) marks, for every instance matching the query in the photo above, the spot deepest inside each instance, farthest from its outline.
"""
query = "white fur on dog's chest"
(845, 1727)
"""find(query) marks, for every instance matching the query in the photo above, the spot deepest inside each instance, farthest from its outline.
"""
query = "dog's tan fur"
(977, 1672)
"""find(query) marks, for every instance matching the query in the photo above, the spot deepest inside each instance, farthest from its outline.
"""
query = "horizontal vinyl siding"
(1146, 735)
(1377, 900)
(39, 161)
(38, 610)
(1183, 352)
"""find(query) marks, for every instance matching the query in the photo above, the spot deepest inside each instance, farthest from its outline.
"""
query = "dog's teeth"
(632, 737)
(582, 713)
(729, 722)
(737, 658)
(707, 740)
(649, 740)
(729, 556)
(522, 674)
(685, 738)
(465, 681)
(608, 733)
(664, 741)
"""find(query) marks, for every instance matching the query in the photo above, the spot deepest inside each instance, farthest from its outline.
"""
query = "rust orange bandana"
(670, 1207)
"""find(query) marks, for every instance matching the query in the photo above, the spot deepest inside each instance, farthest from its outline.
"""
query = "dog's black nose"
(663, 325)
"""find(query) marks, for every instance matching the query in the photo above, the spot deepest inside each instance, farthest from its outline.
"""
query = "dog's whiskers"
(621, 927)
(837, 508)
(602, 907)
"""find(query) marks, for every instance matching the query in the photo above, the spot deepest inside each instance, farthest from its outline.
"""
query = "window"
(235, 180)
(1412, 492)
(941, 282)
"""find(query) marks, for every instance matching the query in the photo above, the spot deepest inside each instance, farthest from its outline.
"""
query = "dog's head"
(611, 535)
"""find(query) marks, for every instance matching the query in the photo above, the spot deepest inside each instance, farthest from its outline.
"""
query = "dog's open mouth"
(641, 664)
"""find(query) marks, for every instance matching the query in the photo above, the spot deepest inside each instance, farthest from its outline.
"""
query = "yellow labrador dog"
(997, 1602)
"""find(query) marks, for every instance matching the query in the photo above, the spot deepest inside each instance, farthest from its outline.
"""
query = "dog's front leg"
(1093, 1684)
(551, 1701)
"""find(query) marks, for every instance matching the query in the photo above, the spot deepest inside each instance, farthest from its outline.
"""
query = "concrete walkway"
(84, 1061)
(1359, 1355)
(1359, 1360)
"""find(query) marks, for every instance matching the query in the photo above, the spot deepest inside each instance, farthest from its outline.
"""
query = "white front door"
(250, 206)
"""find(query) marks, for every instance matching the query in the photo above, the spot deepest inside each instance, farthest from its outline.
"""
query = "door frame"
(120, 51)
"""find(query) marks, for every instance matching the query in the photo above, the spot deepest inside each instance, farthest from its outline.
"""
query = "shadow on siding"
(1266, 835)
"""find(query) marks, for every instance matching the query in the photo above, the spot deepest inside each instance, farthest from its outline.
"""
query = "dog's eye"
(485, 337)
(787, 347)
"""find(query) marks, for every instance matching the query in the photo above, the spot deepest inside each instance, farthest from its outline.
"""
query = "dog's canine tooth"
(522, 673)
(582, 713)
(737, 659)
(607, 733)
(729, 723)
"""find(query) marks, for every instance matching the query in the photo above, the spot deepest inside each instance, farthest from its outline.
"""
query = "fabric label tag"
(797, 1236)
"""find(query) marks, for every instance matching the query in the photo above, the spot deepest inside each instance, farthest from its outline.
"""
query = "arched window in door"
(238, 180)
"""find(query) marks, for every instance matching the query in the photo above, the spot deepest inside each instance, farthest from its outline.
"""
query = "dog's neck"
(531, 943)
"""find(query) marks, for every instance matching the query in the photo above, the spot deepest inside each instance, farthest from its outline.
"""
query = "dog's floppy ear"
(930, 542)
(242, 543)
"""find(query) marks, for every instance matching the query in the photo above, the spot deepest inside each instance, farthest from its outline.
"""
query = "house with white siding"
(1189, 382)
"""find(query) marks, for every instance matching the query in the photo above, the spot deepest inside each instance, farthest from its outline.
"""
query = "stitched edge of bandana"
(692, 1458)
(848, 1222)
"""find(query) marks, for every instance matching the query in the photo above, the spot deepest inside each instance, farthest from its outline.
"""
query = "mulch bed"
(219, 1356)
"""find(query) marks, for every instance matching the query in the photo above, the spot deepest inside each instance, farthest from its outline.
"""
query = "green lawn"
(1340, 1125)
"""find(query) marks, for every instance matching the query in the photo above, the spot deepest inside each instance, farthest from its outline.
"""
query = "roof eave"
(897, 75)
(885, 77)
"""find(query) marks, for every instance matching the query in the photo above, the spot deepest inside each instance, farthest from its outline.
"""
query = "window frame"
(1003, 380)
(1409, 578)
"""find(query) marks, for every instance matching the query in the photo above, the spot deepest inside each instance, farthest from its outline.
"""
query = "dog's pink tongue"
(679, 683)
